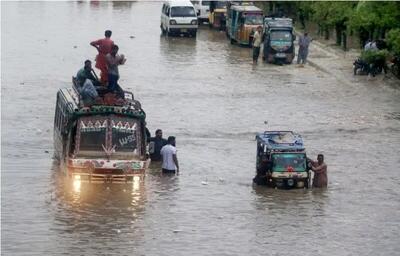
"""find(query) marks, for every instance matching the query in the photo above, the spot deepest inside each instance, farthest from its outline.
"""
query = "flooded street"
(207, 93)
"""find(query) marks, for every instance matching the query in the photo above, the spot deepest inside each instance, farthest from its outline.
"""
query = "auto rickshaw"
(217, 16)
(281, 160)
(242, 22)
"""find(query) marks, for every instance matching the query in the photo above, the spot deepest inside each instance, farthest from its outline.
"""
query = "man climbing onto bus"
(103, 47)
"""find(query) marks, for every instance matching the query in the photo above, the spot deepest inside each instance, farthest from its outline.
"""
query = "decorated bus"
(103, 143)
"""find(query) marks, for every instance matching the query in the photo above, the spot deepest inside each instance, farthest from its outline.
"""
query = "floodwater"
(206, 93)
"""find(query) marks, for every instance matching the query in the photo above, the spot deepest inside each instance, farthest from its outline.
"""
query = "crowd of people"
(91, 88)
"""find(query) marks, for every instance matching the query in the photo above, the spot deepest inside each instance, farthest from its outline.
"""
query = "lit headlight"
(194, 22)
(172, 22)
(136, 178)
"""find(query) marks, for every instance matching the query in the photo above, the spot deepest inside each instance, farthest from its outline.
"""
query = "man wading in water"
(169, 157)
(320, 170)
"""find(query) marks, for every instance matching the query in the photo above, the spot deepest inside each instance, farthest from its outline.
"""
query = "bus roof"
(281, 140)
(70, 99)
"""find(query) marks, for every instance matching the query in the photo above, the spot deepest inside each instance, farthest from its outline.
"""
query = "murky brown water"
(207, 93)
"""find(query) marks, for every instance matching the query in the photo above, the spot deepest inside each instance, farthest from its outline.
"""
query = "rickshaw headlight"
(194, 22)
(172, 22)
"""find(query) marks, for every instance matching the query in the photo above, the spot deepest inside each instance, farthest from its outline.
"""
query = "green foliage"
(393, 40)
(377, 56)
(376, 15)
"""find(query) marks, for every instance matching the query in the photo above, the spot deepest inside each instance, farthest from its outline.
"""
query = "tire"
(355, 70)
(232, 41)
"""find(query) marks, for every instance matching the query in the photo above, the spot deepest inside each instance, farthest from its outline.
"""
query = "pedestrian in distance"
(113, 61)
(156, 144)
(103, 47)
(320, 170)
(257, 39)
(169, 157)
(304, 43)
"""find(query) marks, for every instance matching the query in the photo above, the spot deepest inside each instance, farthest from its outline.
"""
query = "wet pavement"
(207, 93)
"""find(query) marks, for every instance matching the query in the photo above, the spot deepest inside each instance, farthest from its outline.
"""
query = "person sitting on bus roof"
(86, 73)
(88, 93)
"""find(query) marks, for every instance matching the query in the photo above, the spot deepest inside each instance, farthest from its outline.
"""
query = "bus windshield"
(124, 134)
(92, 134)
(183, 11)
(283, 162)
(253, 19)
(281, 36)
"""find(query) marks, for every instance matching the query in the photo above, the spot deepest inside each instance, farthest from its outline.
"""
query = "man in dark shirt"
(86, 73)
(156, 143)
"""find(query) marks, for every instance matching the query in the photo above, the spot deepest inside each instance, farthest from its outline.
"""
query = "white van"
(202, 10)
(178, 17)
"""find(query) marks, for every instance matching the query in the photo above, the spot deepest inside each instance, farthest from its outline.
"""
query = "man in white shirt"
(257, 39)
(169, 157)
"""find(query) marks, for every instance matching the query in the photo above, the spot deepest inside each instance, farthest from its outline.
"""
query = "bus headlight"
(172, 22)
(194, 22)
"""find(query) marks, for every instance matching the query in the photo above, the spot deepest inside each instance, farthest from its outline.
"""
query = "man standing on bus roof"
(113, 61)
(169, 157)
(103, 46)
(320, 170)
(257, 39)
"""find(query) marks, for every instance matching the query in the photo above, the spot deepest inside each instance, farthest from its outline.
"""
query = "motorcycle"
(363, 68)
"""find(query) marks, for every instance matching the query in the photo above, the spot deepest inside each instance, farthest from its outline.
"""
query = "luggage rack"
(282, 141)
(128, 106)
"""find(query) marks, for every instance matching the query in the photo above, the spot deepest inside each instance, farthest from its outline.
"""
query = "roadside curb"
(319, 67)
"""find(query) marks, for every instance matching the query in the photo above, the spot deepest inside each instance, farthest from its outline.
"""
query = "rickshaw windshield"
(281, 36)
(253, 19)
(283, 162)
(183, 11)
